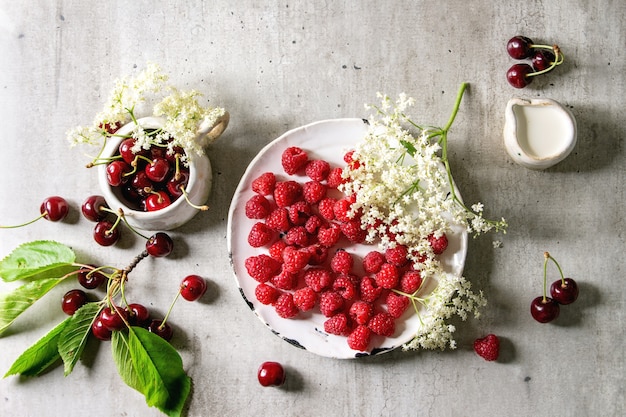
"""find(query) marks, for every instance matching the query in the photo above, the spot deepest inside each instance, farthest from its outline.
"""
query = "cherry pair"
(562, 292)
(543, 58)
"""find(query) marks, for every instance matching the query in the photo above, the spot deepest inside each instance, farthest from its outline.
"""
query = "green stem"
(558, 267)
(546, 256)
(457, 104)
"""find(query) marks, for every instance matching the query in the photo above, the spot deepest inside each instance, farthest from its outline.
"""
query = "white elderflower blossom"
(403, 185)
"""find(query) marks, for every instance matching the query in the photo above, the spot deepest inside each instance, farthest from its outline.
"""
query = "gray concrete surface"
(279, 65)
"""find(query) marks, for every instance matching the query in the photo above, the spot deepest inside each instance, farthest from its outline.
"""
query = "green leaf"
(75, 335)
(14, 303)
(40, 356)
(35, 258)
(152, 366)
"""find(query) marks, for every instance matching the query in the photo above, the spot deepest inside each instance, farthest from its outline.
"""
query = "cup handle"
(209, 133)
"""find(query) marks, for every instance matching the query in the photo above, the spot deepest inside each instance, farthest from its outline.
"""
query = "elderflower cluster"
(404, 193)
(181, 111)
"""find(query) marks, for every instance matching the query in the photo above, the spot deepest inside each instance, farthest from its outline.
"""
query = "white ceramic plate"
(328, 140)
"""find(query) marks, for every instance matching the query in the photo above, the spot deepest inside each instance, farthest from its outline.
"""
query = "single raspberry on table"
(372, 262)
(262, 267)
(313, 192)
(264, 183)
(258, 207)
(382, 324)
(488, 347)
(337, 325)
(342, 262)
(293, 159)
(388, 276)
(396, 304)
(260, 235)
(287, 193)
(266, 294)
(331, 302)
(410, 281)
(438, 244)
(318, 278)
(361, 311)
(317, 169)
(359, 338)
(285, 307)
(305, 298)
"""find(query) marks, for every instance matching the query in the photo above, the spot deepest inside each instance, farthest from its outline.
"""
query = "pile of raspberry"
(305, 226)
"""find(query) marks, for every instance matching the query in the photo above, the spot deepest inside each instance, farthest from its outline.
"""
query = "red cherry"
(141, 183)
(159, 245)
(73, 300)
(138, 315)
(545, 309)
(157, 201)
(104, 235)
(99, 331)
(564, 291)
(519, 47)
(518, 77)
(158, 169)
(92, 208)
(542, 59)
(271, 374)
(125, 150)
(175, 183)
(54, 208)
(192, 287)
(90, 279)
(113, 318)
(161, 329)
(116, 173)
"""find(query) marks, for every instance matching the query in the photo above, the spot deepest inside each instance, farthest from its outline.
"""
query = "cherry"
(518, 75)
(105, 234)
(138, 315)
(73, 300)
(142, 184)
(99, 331)
(176, 182)
(519, 47)
(93, 208)
(542, 59)
(89, 278)
(159, 244)
(113, 318)
(54, 208)
(544, 309)
(192, 287)
(158, 169)
(564, 291)
(161, 328)
(125, 150)
(116, 172)
(157, 200)
(271, 374)
(110, 128)
(176, 153)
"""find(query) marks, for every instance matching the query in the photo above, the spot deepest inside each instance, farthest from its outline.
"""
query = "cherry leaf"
(34, 259)
(153, 367)
(40, 356)
(75, 335)
(14, 303)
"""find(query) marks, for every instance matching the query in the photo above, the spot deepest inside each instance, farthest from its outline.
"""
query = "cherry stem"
(548, 256)
(558, 60)
(45, 213)
(169, 310)
(186, 196)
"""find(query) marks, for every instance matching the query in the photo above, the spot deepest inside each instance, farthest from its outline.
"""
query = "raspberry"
(335, 178)
(345, 287)
(369, 290)
(361, 312)
(396, 304)
(285, 306)
(388, 276)
(328, 235)
(260, 235)
(294, 260)
(341, 262)
(373, 261)
(353, 231)
(258, 207)
(262, 267)
(266, 294)
(276, 250)
(439, 244)
(312, 224)
(488, 347)
(317, 170)
(313, 191)
(325, 208)
(305, 298)
(318, 279)
(410, 281)
(318, 253)
(299, 213)
(331, 303)
(264, 184)
(341, 209)
(397, 255)
(287, 192)
(278, 220)
(359, 338)
(337, 325)
(297, 236)
(348, 158)
(285, 280)
(382, 324)
(293, 159)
